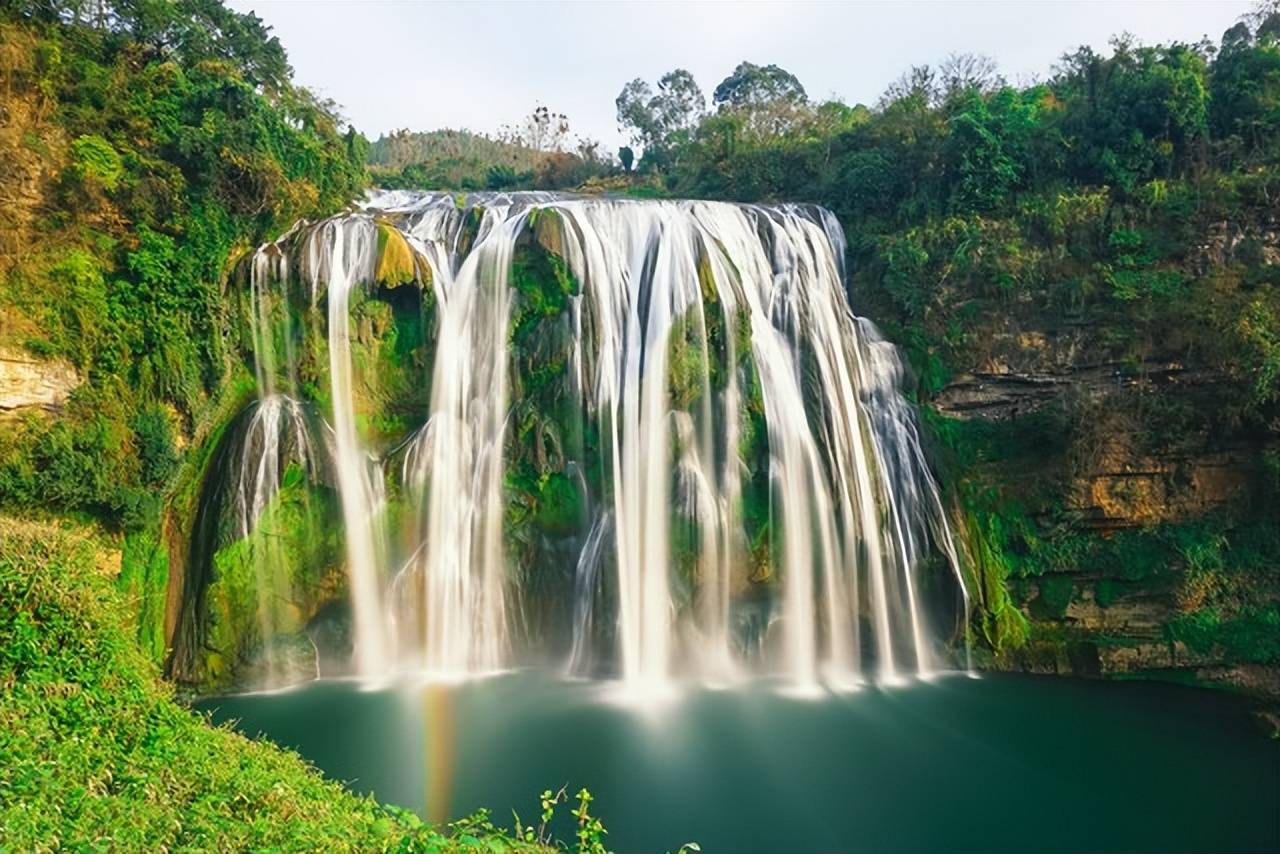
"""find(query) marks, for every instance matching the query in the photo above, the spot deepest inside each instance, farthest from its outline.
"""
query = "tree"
(1136, 115)
(635, 115)
(751, 85)
(1244, 85)
(920, 84)
(961, 72)
(541, 131)
(659, 123)
(989, 142)
(956, 74)
(770, 99)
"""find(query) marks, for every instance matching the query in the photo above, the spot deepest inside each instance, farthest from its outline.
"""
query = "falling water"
(457, 462)
(699, 330)
(275, 436)
(343, 252)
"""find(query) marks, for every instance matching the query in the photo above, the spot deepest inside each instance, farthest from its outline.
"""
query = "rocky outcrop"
(1128, 475)
(1226, 243)
(1008, 388)
(28, 383)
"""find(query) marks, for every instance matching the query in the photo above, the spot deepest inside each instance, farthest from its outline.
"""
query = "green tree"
(770, 99)
(662, 122)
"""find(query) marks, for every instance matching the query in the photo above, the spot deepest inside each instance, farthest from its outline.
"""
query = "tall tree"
(658, 123)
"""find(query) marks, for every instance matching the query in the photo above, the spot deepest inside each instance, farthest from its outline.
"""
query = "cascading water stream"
(752, 458)
(343, 254)
(456, 464)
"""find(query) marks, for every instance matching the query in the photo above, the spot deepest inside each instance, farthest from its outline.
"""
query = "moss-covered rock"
(539, 276)
(269, 585)
(397, 264)
(391, 362)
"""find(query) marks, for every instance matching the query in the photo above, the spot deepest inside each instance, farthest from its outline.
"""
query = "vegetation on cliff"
(144, 144)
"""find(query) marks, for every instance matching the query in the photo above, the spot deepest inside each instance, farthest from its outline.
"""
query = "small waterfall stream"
(755, 494)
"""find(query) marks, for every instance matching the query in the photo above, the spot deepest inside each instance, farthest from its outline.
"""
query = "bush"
(95, 161)
(99, 756)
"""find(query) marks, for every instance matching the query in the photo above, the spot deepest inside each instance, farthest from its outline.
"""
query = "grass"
(96, 755)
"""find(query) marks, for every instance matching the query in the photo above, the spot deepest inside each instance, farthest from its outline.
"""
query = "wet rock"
(282, 661)
(330, 635)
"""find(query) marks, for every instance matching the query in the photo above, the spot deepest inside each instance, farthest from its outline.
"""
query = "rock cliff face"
(27, 383)
(1116, 452)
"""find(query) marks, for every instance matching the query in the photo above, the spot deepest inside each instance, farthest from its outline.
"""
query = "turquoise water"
(1001, 763)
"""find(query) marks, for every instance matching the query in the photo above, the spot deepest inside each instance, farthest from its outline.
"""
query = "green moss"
(391, 362)
(295, 549)
(687, 363)
(543, 284)
(559, 505)
(753, 451)
(1004, 627)
(396, 263)
(93, 159)
(144, 581)
(1056, 593)
(233, 396)
(1249, 635)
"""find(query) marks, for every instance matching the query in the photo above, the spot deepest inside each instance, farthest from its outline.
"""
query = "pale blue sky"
(481, 65)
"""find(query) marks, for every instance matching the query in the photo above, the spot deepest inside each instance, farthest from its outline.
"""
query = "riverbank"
(100, 756)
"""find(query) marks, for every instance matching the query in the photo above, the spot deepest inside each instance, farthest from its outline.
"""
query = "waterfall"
(457, 463)
(343, 254)
(739, 438)
(275, 436)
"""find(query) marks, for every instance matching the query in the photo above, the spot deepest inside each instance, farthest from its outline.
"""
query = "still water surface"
(1002, 763)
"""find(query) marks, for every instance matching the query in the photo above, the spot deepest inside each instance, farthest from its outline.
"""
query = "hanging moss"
(753, 451)
(298, 536)
(542, 282)
(144, 581)
(1003, 625)
(1055, 595)
(396, 262)
(391, 361)
(686, 362)
(559, 505)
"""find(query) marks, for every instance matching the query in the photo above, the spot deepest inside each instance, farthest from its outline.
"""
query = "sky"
(396, 64)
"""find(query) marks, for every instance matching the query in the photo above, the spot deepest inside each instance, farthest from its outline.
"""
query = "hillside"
(99, 756)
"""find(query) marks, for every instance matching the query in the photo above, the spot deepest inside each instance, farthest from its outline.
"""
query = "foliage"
(590, 831)
(972, 206)
(659, 123)
(93, 159)
(533, 154)
(187, 139)
(540, 131)
(99, 756)
(1250, 636)
(767, 99)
